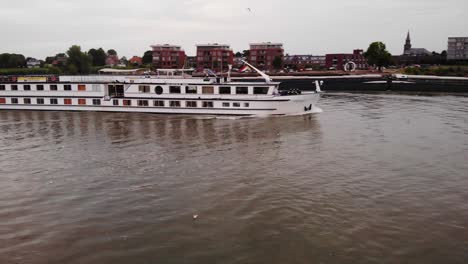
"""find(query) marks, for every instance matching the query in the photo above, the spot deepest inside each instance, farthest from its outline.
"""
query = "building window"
(2, 87)
(127, 102)
(226, 104)
(191, 89)
(246, 104)
(2, 101)
(236, 104)
(81, 87)
(27, 101)
(14, 87)
(53, 87)
(142, 102)
(191, 104)
(242, 90)
(261, 90)
(96, 101)
(208, 104)
(144, 88)
(225, 90)
(115, 102)
(174, 103)
(27, 87)
(14, 100)
(208, 90)
(53, 101)
(81, 101)
(174, 89)
(158, 103)
(67, 101)
(40, 87)
(67, 87)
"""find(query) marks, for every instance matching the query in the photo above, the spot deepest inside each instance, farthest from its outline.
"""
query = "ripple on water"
(371, 179)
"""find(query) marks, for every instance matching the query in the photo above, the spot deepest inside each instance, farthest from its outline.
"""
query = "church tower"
(407, 44)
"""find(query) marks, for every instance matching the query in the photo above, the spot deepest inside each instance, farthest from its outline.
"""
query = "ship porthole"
(158, 90)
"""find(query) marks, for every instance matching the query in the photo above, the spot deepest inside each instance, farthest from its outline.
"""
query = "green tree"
(111, 52)
(124, 60)
(378, 55)
(49, 59)
(147, 57)
(245, 53)
(99, 56)
(238, 55)
(8, 60)
(277, 62)
(78, 62)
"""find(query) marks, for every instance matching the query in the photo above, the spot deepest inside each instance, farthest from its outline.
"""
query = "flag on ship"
(209, 71)
(244, 68)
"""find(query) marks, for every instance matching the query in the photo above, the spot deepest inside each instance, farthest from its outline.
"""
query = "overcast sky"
(46, 27)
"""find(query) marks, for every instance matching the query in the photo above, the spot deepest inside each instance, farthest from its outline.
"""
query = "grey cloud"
(41, 28)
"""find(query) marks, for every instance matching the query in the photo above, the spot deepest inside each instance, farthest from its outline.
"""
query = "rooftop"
(216, 45)
(166, 46)
(267, 44)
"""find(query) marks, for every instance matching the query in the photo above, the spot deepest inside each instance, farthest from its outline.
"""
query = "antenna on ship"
(264, 75)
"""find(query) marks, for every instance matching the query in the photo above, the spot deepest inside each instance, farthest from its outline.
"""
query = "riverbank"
(374, 82)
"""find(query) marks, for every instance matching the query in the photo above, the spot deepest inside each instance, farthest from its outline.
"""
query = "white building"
(33, 63)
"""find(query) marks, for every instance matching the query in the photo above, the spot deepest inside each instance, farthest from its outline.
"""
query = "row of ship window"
(40, 87)
(189, 89)
(193, 89)
(115, 102)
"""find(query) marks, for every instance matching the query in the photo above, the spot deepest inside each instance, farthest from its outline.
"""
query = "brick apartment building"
(340, 59)
(215, 57)
(168, 56)
(263, 54)
(301, 62)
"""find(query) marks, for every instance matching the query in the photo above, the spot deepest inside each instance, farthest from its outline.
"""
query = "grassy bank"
(54, 70)
(30, 71)
(455, 71)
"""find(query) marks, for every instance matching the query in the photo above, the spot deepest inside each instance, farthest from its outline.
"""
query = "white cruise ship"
(153, 94)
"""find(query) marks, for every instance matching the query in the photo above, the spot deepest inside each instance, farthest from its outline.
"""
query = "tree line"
(73, 61)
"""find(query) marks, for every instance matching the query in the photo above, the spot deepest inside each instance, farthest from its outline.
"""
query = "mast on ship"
(264, 75)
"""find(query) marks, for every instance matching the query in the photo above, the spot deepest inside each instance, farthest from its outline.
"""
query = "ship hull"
(294, 104)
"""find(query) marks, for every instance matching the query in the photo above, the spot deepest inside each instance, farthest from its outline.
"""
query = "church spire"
(407, 47)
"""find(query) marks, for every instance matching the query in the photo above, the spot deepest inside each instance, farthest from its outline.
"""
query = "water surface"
(372, 179)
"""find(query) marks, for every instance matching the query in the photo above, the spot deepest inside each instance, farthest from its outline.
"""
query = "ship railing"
(87, 78)
(28, 78)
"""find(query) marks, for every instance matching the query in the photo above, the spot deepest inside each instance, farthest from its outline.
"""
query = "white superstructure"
(152, 94)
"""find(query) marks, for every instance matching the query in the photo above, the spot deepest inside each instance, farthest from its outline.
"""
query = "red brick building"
(168, 56)
(215, 57)
(263, 54)
(135, 60)
(302, 62)
(340, 59)
(112, 60)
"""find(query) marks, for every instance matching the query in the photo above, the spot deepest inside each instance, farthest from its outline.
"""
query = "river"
(374, 178)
